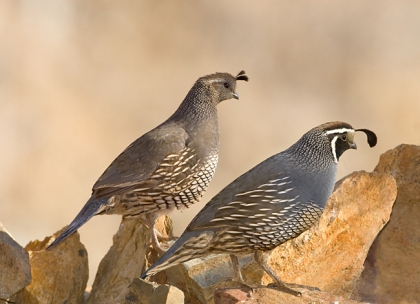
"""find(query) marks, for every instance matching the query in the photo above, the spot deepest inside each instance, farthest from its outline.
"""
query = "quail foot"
(167, 168)
(270, 204)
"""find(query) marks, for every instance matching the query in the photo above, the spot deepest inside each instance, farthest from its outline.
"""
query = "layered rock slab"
(268, 295)
(59, 275)
(392, 268)
(125, 260)
(15, 269)
(141, 292)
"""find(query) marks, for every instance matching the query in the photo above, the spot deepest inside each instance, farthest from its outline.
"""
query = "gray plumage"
(167, 168)
(270, 204)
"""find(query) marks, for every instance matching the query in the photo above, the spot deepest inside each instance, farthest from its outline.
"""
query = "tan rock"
(125, 260)
(269, 295)
(199, 278)
(15, 271)
(59, 275)
(141, 292)
(392, 268)
(329, 256)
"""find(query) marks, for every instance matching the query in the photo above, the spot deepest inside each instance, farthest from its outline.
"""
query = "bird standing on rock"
(270, 204)
(167, 168)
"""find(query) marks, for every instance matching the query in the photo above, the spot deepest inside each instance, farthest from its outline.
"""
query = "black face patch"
(341, 139)
(341, 145)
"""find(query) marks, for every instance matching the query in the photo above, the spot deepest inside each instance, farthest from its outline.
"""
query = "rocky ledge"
(363, 249)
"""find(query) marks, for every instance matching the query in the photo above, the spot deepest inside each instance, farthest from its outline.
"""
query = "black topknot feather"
(241, 76)
(372, 139)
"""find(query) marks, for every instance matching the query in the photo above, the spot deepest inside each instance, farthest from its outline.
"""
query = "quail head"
(167, 168)
(270, 204)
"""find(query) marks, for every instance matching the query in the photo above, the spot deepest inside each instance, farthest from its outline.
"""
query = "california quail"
(167, 168)
(270, 204)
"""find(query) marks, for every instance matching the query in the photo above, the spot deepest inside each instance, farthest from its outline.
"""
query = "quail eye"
(226, 85)
(343, 137)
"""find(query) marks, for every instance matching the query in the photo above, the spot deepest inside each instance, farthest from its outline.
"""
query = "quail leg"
(236, 270)
(162, 238)
(238, 275)
(151, 219)
(261, 258)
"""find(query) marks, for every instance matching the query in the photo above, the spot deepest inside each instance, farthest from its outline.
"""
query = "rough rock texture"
(198, 278)
(125, 260)
(330, 255)
(59, 275)
(392, 268)
(268, 295)
(15, 269)
(141, 292)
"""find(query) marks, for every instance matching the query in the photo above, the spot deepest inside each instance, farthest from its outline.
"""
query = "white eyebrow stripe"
(342, 130)
(217, 80)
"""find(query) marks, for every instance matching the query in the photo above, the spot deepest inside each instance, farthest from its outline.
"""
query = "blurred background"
(81, 80)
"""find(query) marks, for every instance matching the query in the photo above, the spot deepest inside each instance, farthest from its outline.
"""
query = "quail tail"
(189, 246)
(90, 209)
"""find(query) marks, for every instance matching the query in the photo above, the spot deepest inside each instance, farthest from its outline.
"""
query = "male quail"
(167, 168)
(270, 204)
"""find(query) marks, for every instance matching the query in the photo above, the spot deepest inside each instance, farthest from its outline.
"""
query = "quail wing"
(139, 161)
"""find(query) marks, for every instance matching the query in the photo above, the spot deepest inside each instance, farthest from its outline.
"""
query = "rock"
(198, 278)
(125, 260)
(59, 275)
(392, 267)
(15, 271)
(141, 292)
(329, 256)
(269, 295)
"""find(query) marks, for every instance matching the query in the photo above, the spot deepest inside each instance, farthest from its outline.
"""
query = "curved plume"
(371, 137)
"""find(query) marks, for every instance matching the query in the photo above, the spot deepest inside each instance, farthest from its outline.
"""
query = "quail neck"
(196, 108)
(200, 103)
(320, 148)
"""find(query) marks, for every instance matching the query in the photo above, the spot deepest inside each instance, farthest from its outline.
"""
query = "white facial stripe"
(333, 149)
(343, 130)
(216, 80)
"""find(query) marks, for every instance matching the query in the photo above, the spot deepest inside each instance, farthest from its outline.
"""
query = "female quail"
(167, 168)
(270, 204)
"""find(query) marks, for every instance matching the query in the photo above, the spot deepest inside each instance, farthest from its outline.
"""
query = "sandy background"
(80, 80)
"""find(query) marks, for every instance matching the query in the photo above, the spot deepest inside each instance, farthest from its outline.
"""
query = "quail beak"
(353, 145)
(235, 95)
